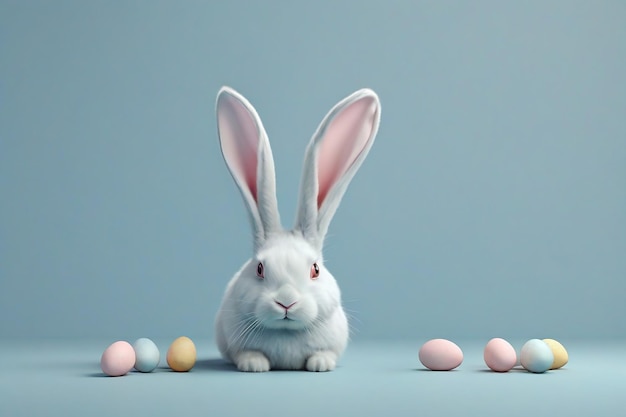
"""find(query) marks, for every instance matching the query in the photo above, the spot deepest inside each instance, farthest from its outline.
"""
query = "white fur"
(250, 320)
(254, 328)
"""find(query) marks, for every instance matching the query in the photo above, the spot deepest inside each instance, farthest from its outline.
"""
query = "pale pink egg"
(440, 355)
(499, 355)
(118, 359)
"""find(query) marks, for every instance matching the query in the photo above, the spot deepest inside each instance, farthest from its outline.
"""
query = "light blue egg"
(536, 356)
(147, 355)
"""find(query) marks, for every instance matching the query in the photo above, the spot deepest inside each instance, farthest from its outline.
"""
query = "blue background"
(493, 202)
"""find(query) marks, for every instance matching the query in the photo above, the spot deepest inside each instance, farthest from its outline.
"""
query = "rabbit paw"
(252, 361)
(321, 362)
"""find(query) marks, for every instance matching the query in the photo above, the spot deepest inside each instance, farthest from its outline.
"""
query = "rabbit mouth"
(285, 323)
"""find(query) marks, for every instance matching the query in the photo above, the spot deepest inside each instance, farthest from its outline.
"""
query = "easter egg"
(147, 355)
(118, 359)
(181, 356)
(499, 355)
(536, 356)
(440, 355)
(560, 354)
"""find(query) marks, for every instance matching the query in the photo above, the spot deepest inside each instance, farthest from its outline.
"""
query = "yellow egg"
(559, 352)
(181, 356)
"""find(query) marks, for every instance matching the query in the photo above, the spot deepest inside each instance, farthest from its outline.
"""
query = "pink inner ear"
(344, 140)
(239, 135)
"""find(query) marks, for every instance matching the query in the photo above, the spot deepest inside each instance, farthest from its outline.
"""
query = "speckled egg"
(181, 356)
(147, 355)
(536, 356)
(499, 355)
(440, 355)
(560, 354)
(118, 359)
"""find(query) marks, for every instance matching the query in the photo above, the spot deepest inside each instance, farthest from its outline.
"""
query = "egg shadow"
(213, 365)
(435, 371)
(98, 375)
(514, 370)
(489, 371)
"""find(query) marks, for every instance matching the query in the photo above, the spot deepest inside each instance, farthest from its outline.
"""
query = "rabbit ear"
(333, 156)
(247, 153)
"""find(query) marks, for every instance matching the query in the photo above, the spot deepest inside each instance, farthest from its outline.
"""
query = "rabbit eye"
(260, 270)
(315, 271)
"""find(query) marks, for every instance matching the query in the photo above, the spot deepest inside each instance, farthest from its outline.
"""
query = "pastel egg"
(536, 356)
(560, 354)
(118, 359)
(499, 355)
(181, 356)
(440, 355)
(147, 355)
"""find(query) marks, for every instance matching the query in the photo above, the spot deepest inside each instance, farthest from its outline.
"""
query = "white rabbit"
(282, 310)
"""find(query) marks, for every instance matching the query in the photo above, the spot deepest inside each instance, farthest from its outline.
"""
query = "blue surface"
(373, 379)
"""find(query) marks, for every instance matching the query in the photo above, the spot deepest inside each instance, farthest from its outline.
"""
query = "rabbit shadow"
(215, 364)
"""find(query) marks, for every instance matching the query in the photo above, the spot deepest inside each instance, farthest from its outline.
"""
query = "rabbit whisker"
(241, 330)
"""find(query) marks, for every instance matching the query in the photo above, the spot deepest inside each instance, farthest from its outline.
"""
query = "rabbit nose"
(286, 307)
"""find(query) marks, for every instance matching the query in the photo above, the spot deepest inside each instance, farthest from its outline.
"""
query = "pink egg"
(118, 359)
(499, 355)
(440, 355)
